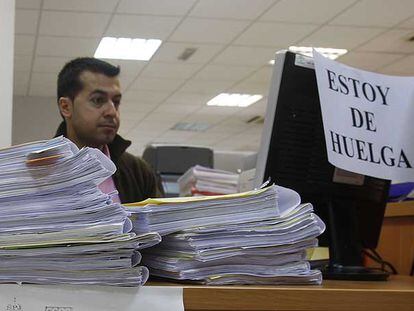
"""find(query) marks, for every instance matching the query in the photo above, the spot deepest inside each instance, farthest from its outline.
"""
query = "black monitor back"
(297, 159)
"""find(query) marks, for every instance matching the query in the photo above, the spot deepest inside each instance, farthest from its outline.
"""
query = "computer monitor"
(293, 154)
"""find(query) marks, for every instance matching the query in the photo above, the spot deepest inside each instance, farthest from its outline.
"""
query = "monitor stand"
(353, 273)
(345, 250)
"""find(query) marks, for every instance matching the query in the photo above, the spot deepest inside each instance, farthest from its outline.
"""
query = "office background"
(234, 42)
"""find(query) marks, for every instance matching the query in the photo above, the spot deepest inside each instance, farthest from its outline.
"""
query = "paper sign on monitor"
(368, 120)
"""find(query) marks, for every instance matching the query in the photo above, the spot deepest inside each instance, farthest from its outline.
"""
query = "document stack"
(256, 237)
(200, 181)
(56, 226)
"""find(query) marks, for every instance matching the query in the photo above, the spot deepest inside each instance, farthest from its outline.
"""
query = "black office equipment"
(293, 154)
(171, 161)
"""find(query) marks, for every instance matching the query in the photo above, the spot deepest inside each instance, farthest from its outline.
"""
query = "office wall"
(34, 118)
(7, 10)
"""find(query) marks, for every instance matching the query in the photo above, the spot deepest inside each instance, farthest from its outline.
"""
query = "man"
(89, 98)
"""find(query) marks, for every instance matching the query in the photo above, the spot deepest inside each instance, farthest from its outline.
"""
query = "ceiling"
(235, 39)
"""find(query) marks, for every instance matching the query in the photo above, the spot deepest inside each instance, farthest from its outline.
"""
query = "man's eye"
(98, 100)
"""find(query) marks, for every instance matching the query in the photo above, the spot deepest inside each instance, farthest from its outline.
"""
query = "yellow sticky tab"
(317, 253)
(159, 201)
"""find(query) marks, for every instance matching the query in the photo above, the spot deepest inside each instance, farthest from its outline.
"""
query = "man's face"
(94, 119)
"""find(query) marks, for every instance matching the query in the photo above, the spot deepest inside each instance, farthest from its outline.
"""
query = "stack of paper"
(56, 226)
(170, 215)
(256, 237)
(200, 180)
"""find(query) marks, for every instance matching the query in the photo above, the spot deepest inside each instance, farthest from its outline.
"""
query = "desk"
(397, 294)
(396, 242)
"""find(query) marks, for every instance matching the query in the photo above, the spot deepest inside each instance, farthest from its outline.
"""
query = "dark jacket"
(134, 178)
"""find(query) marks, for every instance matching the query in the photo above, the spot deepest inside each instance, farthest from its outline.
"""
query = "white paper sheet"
(90, 298)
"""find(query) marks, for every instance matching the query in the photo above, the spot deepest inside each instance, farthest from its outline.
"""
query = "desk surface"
(396, 294)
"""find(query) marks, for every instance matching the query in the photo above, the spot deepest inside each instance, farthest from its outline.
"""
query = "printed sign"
(368, 120)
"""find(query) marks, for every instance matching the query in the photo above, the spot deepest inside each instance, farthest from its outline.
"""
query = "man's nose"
(110, 109)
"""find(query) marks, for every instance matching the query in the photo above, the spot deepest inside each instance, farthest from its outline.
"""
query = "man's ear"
(66, 107)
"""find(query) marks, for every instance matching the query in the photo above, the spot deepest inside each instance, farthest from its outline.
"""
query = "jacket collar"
(116, 148)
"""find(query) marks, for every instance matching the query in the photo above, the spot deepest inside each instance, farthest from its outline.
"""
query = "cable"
(383, 262)
(387, 263)
(374, 258)
(377, 258)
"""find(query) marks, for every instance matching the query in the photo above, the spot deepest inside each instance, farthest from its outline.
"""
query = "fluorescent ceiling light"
(191, 126)
(307, 51)
(127, 48)
(234, 100)
(327, 52)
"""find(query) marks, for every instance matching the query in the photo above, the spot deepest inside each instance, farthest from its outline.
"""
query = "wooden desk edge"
(390, 295)
(400, 209)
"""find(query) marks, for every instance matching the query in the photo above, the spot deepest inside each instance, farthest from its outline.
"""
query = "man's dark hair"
(69, 83)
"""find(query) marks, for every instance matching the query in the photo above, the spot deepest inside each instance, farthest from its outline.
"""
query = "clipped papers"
(173, 214)
(57, 227)
(256, 237)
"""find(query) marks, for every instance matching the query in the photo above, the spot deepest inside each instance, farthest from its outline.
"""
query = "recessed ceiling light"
(234, 100)
(307, 51)
(127, 48)
(191, 126)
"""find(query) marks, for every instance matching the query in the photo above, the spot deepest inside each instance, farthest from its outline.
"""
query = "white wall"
(7, 9)
(34, 118)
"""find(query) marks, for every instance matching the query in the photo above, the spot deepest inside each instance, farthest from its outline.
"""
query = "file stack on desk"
(257, 237)
(200, 180)
(56, 226)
